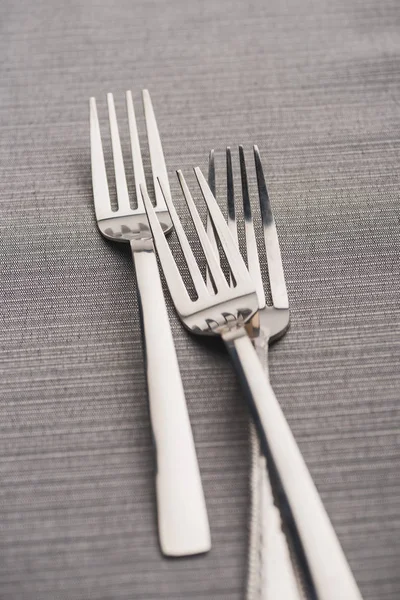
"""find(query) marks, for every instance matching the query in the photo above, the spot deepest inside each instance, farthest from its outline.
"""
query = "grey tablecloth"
(315, 84)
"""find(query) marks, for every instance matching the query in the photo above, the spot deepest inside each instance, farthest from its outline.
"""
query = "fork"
(225, 314)
(182, 516)
(270, 570)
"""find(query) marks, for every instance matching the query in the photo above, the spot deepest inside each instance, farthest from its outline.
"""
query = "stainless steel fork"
(182, 516)
(270, 570)
(225, 314)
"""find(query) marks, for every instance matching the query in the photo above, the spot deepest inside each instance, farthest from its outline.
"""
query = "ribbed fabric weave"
(315, 85)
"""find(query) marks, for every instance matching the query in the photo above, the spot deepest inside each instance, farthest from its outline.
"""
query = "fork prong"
(274, 260)
(101, 193)
(138, 170)
(209, 225)
(158, 165)
(119, 169)
(253, 263)
(191, 262)
(211, 173)
(173, 278)
(230, 196)
(232, 252)
(212, 262)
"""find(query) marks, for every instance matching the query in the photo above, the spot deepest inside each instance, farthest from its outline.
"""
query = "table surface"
(315, 85)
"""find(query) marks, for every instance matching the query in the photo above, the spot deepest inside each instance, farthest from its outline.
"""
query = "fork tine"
(173, 278)
(253, 262)
(211, 173)
(274, 260)
(230, 195)
(119, 169)
(158, 165)
(212, 262)
(209, 225)
(232, 252)
(138, 171)
(184, 243)
(101, 194)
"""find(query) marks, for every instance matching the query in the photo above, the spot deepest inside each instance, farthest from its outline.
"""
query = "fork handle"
(331, 574)
(182, 515)
(270, 569)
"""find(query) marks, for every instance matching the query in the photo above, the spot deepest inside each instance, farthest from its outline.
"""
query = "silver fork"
(270, 570)
(225, 314)
(182, 516)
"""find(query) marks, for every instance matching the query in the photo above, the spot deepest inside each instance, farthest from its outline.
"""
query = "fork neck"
(142, 245)
(253, 327)
(229, 335)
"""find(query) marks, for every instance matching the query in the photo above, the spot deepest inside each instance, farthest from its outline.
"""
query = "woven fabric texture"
(315, 85)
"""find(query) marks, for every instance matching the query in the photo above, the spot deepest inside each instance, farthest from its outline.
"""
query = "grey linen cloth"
(315, 85)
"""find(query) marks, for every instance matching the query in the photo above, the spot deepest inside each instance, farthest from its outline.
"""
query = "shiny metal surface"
(210, 314)
(182, 516)
(270, 571)
(209, 224)
(225, 313)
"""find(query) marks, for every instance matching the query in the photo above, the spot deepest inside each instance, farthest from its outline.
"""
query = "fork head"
(126, 223)
(272, 320)
(229, 308)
